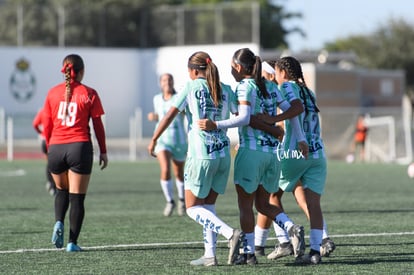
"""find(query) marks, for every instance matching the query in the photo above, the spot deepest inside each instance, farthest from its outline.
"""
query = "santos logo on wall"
(22, 81)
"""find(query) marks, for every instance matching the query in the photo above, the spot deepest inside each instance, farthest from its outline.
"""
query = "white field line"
(14, 173)
(103, 247)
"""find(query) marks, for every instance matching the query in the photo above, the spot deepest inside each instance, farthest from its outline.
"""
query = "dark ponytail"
(252, 65)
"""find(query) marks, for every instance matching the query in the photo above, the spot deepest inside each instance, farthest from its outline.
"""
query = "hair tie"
(208, 60)
(70, 67)
(63, 70)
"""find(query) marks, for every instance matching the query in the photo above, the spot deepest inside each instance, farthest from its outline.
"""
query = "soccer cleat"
(169, 207)
(234, 245)
(205, 261)
(249, 259)
(259, 251)
(281, 250)
(181, 208)
(297, 238)
(313, 257)
(327, 247)
(57, 236)
(71, 247)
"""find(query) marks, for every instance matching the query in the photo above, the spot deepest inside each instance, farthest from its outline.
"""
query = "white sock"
(208, 219)
(210, 237)
(166, 186)
(283, 221)
(315, 239)
(260, 236)
(248, 243)
(325, 230)
(180, 189)
(281, 234)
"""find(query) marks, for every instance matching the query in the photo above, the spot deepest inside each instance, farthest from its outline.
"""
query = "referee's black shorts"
(77, 156)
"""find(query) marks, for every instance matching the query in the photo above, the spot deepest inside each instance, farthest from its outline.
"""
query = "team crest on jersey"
(22, 81)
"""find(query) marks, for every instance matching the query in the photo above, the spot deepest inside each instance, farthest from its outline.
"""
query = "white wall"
(124, 78)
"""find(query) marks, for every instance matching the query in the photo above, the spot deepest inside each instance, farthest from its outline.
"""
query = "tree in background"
(272, 16)
(391, 46)
(138, 23)
(272, 31)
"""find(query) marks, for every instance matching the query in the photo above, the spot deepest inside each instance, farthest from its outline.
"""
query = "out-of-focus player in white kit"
(171, 147)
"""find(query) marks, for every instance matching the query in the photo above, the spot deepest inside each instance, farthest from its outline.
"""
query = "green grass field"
(369, 209)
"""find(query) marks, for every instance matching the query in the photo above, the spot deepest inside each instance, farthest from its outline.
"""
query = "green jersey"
(197, 102)
(251, 138)
(309, 120)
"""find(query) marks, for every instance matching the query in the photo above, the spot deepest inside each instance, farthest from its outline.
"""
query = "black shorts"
(77, 156)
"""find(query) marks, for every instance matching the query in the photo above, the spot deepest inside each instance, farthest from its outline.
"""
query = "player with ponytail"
(256, 167)
(68, 108)
(305, 178)
(208, 160)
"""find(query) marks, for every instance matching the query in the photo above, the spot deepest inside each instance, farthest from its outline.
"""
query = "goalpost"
(2, 125)
(383, 133)
(135, 133)
(407, 120)
(380, 143)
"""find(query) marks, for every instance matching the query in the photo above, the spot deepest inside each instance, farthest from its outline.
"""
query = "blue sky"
(326, 20)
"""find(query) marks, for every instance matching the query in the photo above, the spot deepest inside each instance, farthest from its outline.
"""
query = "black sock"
(76, 214)
(50, 179)
(61, 204)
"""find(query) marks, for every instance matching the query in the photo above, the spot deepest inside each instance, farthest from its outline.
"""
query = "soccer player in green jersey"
(208, 161)
(301, 175)
(256, 167)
